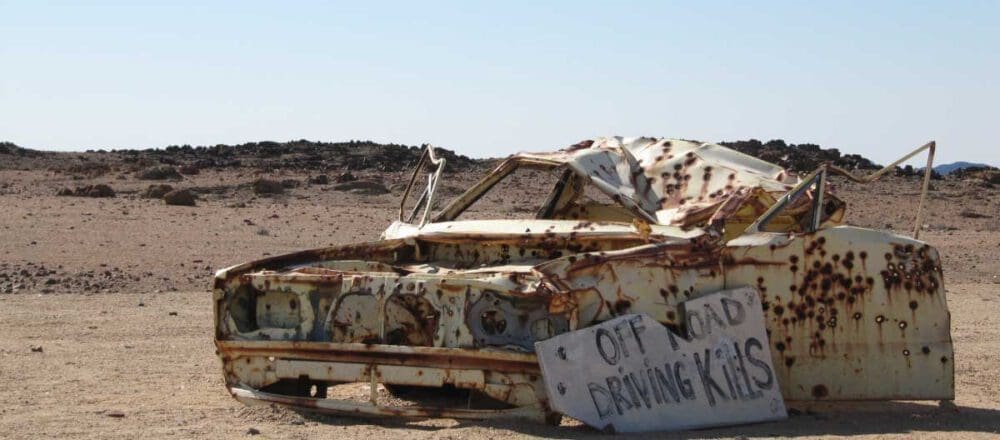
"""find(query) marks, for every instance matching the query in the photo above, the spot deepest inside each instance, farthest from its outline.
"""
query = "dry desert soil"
(106, 325)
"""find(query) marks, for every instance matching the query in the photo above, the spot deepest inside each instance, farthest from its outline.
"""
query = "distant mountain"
(949, 167)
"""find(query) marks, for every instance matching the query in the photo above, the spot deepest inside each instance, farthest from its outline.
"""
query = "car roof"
(664, 177)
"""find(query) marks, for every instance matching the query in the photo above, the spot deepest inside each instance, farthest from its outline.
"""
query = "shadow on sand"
(805, 419)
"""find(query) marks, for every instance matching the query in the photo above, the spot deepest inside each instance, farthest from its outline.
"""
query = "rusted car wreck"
(852, 313)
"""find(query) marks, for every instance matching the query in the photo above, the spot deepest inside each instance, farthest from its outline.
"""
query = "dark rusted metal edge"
(431, 357)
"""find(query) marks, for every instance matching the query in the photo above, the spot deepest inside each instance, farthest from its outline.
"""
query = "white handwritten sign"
(632, 374)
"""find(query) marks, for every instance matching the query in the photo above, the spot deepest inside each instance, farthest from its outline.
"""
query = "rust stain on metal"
(852, 313)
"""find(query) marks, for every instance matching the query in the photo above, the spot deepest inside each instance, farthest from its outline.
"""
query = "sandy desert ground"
(106, 327)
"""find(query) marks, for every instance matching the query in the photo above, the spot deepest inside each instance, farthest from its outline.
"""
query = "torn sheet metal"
(683, 183)
(631, 374)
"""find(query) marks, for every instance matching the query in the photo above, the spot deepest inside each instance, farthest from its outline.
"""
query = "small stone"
(157, 191)
(968, 213)
(99, 191)
(253, 431)
(159, 172)
(180, 197)
(264, 186)
(172, 313)
(321, 179)
(37, 349)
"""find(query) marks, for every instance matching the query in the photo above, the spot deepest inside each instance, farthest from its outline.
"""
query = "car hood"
(514, 230)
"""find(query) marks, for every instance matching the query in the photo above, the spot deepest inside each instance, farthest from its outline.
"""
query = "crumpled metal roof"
(670, 179)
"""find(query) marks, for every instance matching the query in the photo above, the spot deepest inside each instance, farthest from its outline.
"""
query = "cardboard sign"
(632, 374)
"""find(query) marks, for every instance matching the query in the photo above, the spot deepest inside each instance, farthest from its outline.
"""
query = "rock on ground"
(346, 177)
(158, 172)
(100, 190)
(180, 197)
(264, 186)
(156, 191)
(321, 179)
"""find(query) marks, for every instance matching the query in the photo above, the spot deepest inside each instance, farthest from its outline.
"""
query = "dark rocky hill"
(801, 157)
(265, 156)
(357, 155)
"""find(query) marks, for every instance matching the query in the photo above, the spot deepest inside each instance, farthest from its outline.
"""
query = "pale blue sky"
(488, 79)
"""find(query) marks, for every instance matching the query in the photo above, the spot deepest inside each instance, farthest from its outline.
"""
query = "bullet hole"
(925, 350)
(913, 305)
(879, 319)
(906, 352)
(493, 322)
(622, 307)
(944, 359)
(820, 391)
(902, 325)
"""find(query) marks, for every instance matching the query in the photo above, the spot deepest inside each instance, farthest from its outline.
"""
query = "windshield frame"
(426, 199)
